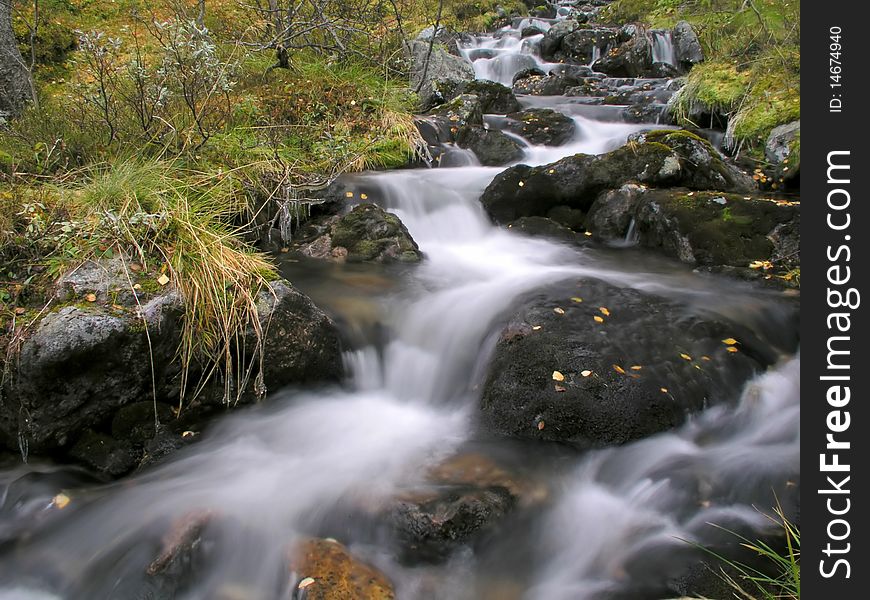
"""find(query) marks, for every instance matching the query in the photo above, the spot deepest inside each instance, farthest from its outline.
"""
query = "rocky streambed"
(530, 368)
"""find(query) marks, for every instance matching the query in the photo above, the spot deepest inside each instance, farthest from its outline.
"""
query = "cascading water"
(271, 475)
(663, 50)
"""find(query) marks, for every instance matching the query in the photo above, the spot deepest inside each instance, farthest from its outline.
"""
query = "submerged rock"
(658, 158)
(594, 364)
(324, 569)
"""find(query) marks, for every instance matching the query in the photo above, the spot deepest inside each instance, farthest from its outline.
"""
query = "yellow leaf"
(188, 434)
(664, 390)
(685, 356)
(540, 425)
(636, 367)
(557, 376)
(536, 327)
(364, 196)
(521, 184)
(732, 349)
(307, 582)
(91, 297)
(586, 373)
(588, 233)
(349, 194)
(559, 311)
(598, 319)
(61, 500)
(619, 369)
(163, 279)
(604, 311)
(576, 299)
(707, 358)
(137, 287)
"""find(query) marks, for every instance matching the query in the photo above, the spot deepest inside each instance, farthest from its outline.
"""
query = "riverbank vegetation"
(751, 75)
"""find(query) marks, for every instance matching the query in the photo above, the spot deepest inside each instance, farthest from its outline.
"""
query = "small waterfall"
(662, 43)
(631, 236)
(596, 55)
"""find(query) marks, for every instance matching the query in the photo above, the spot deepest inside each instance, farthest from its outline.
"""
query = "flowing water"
(615, 519)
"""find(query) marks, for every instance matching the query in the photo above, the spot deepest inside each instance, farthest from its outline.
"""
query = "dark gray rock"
(544, 227)
(563, 376)
(493, 148)
(658, 158)
(687, 46)
(547, 85)
(581, 45)
(494, 98)
(552, 40)
(439, 76)
(782, 150)
(542, 126)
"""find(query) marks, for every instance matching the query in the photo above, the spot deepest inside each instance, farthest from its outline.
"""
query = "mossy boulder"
(494, 98)
(369, 233)
(702, 227)
(582, 45)
(546, 85)
(465, 109)
(542, 126)
(436, 74)
(666, 158)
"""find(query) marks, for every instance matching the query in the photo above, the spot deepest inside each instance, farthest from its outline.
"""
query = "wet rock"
(663, 158)
(630, 59)
(565, 376)
(687, 47)
(493, 148)
(464, 109)
(494, 98)
(545, 11)
(324, 569)
(530, 72)
(482, 53)
(552, 40)
(548, 85)
(86, 379)
(439, 76)
(542, 126)
(466, 496)
(544, 227)
(369, 233)
(531, 30)
(704, 228)
(571, 218)
(782, 151)
(582, 45)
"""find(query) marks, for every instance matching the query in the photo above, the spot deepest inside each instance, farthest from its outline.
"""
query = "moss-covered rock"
(494, 98)
(659, 158)
(701, 227)
(369, 233)
(326, 570)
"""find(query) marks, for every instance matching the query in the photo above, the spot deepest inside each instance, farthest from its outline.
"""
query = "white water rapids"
(279, 471)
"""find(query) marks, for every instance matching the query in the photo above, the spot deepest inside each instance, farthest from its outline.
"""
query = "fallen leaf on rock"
(91, 297)
(732, 349)
(685, 356)
(163, 279)
(364, 196)
(349, 194)
(307, 582)
(619, 369)
(707, 358)
(536, 327)
(588, 233)
(188, 434)
(137, 287)
(540, 425)
(586, 373)
(559, 311)
(598, 319)
(664, 390)
(636, 367)
(576, 299)
(60, 501)
(521, 184)
(557, 376)
(604, 311)
(729, 341)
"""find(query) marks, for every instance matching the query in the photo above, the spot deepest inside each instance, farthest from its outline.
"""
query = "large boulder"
(541, 126)
(596, 365)
(783, 151)
(547, 85)
(438, 74)
(704, 228)
(631, 59)
(583, 45)
(659, 158)
(687, 47)
(75, 382)
(552, 39)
